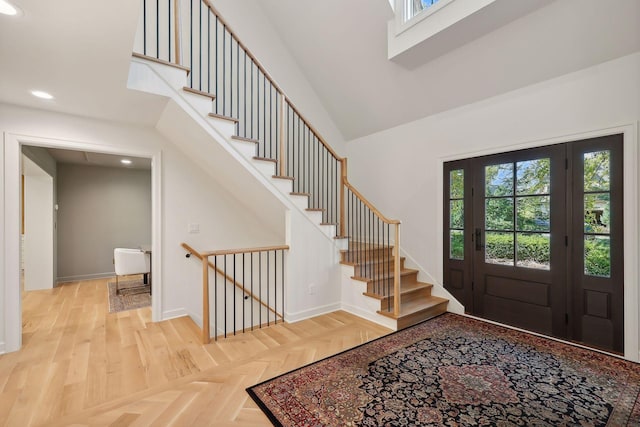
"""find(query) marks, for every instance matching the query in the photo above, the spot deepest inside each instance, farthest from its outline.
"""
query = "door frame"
(11, 214)
(631, 216)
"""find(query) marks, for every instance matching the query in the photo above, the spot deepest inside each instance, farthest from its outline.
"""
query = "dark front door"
(535, 239)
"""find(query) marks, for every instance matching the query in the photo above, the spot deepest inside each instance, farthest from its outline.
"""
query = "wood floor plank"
(83, 366)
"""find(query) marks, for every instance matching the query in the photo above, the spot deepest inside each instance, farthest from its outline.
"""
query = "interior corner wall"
(258, 34)
(410, 157)
(188, 195)
(43, 159)
(99, 209)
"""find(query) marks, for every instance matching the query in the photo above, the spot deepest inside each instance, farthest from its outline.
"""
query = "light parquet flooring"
(82, 366)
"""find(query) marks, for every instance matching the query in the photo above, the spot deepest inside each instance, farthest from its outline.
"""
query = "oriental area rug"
(133, 294)
(457, 371)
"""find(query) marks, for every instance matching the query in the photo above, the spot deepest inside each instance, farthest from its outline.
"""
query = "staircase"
(374, 265)
(252, 124)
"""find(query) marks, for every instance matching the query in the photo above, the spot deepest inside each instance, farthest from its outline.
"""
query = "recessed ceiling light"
(125, 161)
(7, 8)
(41, 94)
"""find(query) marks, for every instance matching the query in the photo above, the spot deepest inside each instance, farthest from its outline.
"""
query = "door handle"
(478, 238)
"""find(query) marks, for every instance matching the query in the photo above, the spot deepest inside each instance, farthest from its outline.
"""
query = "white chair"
(130, 261)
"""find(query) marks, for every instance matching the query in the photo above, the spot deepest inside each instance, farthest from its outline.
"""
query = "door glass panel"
(456, 213)
(533, 177)
(533, 213)
(499, 214)
(498, 248)
(533, 250)
(596, 171)
(456, 184)
(597, 256)
(499, 180)
(456, 244)
(596, 213)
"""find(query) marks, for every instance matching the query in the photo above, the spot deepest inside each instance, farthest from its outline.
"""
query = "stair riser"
(202, 104)
(421, 316)
(381, 284)
(265, 168)
(247, 149)
(371, 270)
(406, 297)
(367, 255)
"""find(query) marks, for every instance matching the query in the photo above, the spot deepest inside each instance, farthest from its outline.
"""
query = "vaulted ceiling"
(341, 46)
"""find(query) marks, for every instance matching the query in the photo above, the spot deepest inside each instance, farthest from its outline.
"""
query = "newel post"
(206, 336)
(396, 273)
(283, 155)
(343, 183)
(177, 28)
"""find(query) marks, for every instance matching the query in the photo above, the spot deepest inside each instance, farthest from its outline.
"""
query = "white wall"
(38, 228)
(187, 195)
(411, 155)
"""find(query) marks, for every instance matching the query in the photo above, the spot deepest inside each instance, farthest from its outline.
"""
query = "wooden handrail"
(205, 289)
(244, 250)
(271, 79)
(369, 204)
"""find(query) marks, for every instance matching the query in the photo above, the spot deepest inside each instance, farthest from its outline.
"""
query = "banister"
(271, 79)
(244, 250)
(204, 257)
(369, 204)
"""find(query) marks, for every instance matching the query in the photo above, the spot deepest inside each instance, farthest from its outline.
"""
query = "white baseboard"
(368, 315)
(3, 349)
(67, 279)
(313, 312)
(172, 314)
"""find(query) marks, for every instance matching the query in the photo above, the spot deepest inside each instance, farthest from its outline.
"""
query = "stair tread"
(220, 116)
(160, 61)
(415, 306)
(264, 159)
(371, 261)
(403, 272)
(314, 210)
(242, 138)
(199, 92)
(300, 194)
(405, 288)
(283, 177)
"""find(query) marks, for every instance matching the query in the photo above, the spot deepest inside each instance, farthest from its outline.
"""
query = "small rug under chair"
(133, 294)
(457, 371)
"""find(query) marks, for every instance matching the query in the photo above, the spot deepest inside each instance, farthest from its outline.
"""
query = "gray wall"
(41, 157)
(100, 208)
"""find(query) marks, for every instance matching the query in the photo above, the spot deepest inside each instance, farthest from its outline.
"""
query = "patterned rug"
(133, 294)
(457, 371)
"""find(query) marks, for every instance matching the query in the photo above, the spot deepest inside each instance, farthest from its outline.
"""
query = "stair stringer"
(203, 138)
(438, 289)
(164, 80)
(356, 302)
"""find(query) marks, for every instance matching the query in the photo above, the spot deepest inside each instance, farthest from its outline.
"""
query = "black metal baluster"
(217, 65)
(243, 293)
(225, 296)
(268, 305)
(169, 22)
(244, 116)
(237, 86)
(230, 75)
(215, 297)
(144, 26)
(200, 49)
(191, 43)
(224, 69)
(252, 309)
(158, 29)
(264, 117)
(209, 51)
(282, 275)
(275, 286)
(235, 303)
